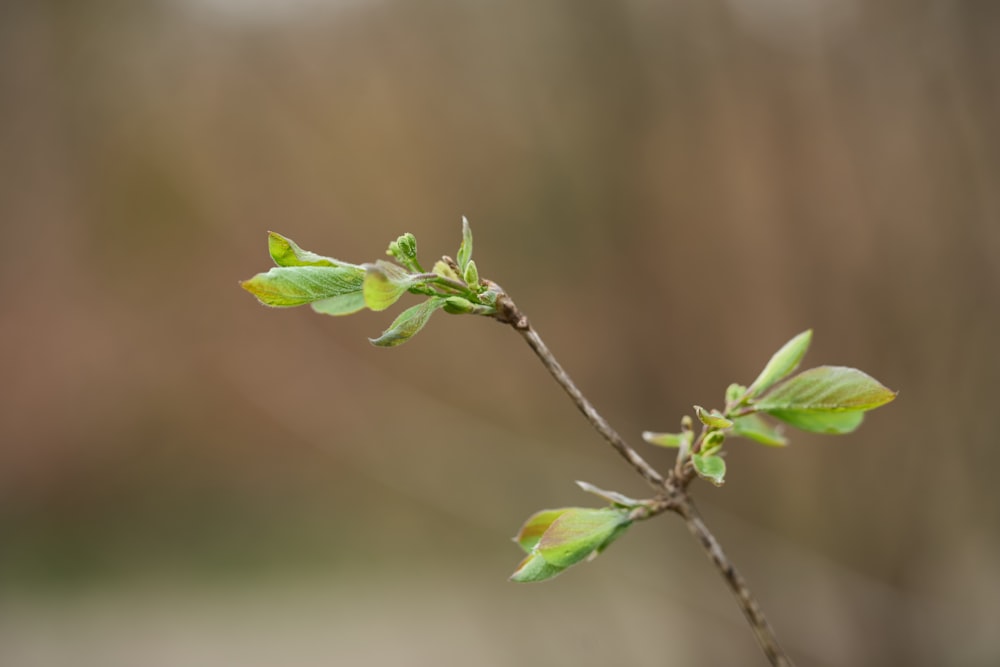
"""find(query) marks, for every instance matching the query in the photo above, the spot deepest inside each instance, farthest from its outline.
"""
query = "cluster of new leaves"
(333, 287)
(825, 399)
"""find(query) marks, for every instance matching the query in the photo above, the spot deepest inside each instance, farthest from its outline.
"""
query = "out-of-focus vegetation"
(641, 175)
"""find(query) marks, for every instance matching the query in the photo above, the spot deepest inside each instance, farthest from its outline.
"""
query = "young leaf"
(536, 525)
(825, 399)
(664, 439)
(296, 285)
(579, 532)
(612, 497)
(535, 568)
(713, 442)
(285, 252)
(756, 428)
(345, 304)
(834, 423)
(827, 388)
(384, 283)
(465, 250)
(784, 362)
(710, 467)
(712, 419)
(409, 322)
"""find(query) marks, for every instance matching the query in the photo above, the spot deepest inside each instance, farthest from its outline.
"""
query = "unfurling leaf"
(465, 249)
(444, 270)
(712, 419)
(710, 467)
(535, 568)
(409, 323)
(296, 285)
(713, 442)
(783, 363)
(757, 428)
(557, 539)
(384, 283)
(665, 439)
(579, 532)
(536, 525)
(285, 252)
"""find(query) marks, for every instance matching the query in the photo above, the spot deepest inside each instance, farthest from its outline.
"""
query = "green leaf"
(296, 285)
(665, 439)
(409, 323)
(579, 532)
(612, 497)
(465, 249)
(384, 283)
(784, 362)
(404, 250)
(757, 428)
(713, 442)
(535, 568)
(344, 304)
(285, 252)
(827, 388)
(472, 275)
(536, 525)
(710, 467)
(834, 423)
(713, 419)
(825, 399)
(442, 269)
(734, 393)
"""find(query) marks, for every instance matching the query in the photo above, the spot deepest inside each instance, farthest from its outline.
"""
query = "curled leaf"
(465, 249)
(409, 323)
(713, 419)
(782, 363)
(710, 466)
(285, 252)
(384, 283)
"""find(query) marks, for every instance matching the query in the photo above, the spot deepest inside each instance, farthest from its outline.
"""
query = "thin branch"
(748, 604)
(508, 313)
(672, 490)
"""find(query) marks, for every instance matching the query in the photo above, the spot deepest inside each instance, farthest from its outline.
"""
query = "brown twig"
(748, 603)
(508, 313)
(672, 491)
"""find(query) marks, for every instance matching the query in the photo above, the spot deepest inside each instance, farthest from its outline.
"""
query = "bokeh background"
(669, 189)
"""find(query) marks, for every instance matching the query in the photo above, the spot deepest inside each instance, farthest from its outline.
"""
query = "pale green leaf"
(409, 322)
(835, 423)
(344, 304)
(757, 428)
(710, 467)
(783, 363)
(285, 252)
(536, 525)
(535, 568)
(712, 419)
(665, 439)
(297, 285)
(384, 283)
(465, 249)
(579, 532)
(826, 389)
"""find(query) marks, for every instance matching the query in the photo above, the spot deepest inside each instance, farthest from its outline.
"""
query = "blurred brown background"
(669, 189)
